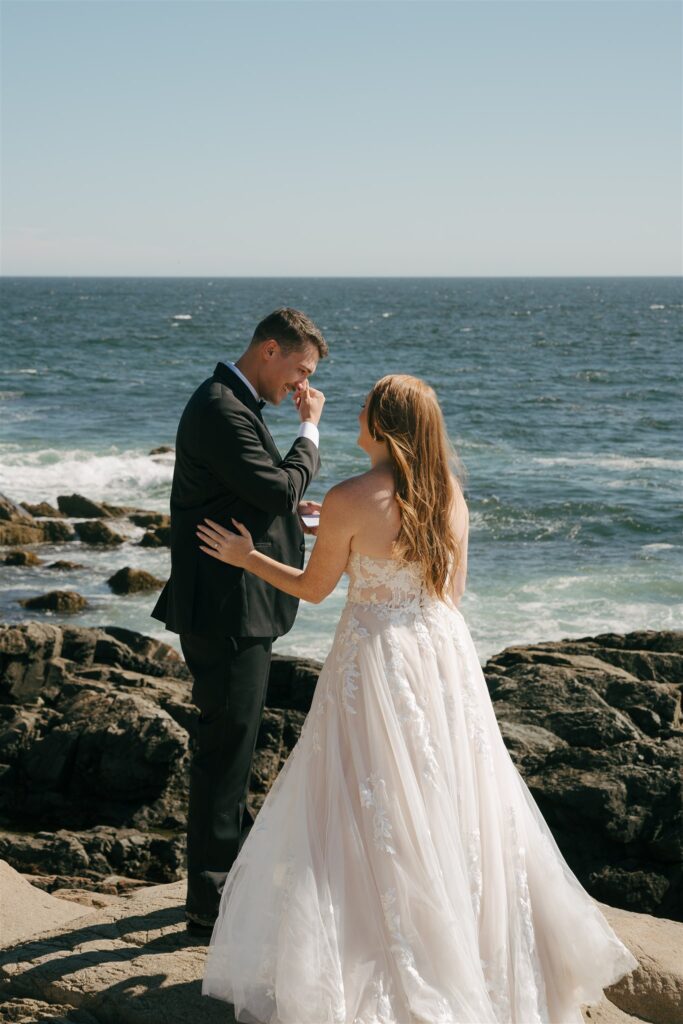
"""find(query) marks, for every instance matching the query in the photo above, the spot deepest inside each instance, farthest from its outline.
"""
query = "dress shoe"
(198, 925)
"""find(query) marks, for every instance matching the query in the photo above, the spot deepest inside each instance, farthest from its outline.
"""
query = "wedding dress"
(399, 870)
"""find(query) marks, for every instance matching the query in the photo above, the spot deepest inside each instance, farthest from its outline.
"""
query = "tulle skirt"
(399, 870)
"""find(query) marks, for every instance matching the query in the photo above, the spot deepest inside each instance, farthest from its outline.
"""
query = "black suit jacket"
(227, 465)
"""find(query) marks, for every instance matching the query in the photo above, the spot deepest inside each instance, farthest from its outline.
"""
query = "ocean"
(561, 396)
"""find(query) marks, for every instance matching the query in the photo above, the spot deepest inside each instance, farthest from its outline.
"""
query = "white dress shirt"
(308, 430)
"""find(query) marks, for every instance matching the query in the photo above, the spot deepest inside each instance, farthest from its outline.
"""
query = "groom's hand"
(307, 508)
(309, 403)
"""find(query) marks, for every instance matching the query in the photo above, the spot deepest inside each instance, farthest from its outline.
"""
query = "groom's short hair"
(291, 330)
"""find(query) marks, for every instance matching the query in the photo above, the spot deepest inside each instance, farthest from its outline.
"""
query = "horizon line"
(336, 277)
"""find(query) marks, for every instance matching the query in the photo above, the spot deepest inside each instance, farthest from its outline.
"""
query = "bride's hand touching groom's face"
(232, 548)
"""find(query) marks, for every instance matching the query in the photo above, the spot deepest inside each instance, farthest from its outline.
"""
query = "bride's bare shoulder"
(357, 492)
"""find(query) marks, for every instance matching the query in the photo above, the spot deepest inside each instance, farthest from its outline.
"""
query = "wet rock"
(163, 449)
(157, 537)
(22, 558)
(64, 565)
(97, 532)
(133, 581)
(43, 510)
(150, 519)
(118, 511)
(78, 507)
(18, 533)
(57, 532)
(56, 601)
(10, 512)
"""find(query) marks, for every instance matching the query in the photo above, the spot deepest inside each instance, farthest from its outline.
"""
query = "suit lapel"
(240, 390)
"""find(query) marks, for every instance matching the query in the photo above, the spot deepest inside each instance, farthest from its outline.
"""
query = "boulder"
(95, 859)
(43, 510)
(97, 532)
(133, 581)
(22, 558)
(78, 507)
(56, 601)
(56, 531)
(157, 537)
(18, 533)
(150, 519)
(94, 757)
(10, 512)
(64, 566)
(17, 526)
(163, 449)
(118, 511)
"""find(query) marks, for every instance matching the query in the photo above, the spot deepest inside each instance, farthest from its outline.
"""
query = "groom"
(227, 466)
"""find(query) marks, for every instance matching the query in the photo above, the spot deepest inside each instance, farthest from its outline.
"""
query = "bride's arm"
(325, 566)
(462, 521)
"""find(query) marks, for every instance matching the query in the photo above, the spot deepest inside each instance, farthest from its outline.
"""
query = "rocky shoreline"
(97, 724)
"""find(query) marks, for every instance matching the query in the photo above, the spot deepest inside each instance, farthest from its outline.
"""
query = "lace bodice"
(384, 581)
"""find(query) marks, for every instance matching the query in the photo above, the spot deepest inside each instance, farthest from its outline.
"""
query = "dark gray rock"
(163, 449)
(56, 601)
(43, 510)
(133, 581)
(97, 532)
(64, 566)
(90, 856)
(150, 519)
(12, 534)
(157, 537)
(10, 512)
(78, 507)
(57, 532)
(22, 558)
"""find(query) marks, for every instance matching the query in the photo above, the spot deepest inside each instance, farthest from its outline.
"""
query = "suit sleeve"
(235, 454)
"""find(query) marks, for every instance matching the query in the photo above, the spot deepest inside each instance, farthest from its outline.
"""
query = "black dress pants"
(230, 681)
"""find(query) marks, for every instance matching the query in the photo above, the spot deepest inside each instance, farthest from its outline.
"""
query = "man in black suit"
(228, 466)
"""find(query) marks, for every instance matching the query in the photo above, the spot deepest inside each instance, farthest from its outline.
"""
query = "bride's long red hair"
(404, 411)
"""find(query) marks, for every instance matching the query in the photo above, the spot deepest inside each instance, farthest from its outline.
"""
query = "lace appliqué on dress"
(373, 795)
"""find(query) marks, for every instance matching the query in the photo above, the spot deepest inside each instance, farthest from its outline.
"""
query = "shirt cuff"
(310, 431)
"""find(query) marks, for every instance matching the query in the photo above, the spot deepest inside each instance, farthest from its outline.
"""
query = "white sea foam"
(183, 316)
(615, 462)
(656, 305)
(126, 477)
(657, 547)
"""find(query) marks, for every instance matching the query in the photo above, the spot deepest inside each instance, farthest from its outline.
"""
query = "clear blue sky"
(193, 137)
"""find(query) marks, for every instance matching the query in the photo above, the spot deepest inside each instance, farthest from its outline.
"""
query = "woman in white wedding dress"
(399, 870)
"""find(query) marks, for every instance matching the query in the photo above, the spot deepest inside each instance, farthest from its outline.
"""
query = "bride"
(399, 870)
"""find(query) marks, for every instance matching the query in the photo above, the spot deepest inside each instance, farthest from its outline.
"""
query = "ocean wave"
(125, 477)
(615, 462)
